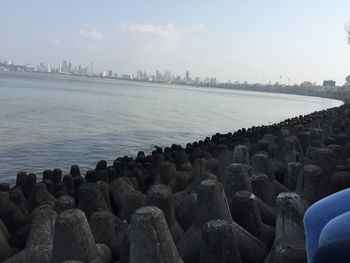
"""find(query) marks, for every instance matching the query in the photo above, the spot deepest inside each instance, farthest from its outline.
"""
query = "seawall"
(236, 197)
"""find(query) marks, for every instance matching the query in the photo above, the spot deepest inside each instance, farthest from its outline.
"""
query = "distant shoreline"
(337, 93)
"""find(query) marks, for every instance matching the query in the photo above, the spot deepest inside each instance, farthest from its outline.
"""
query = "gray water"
(49, 121)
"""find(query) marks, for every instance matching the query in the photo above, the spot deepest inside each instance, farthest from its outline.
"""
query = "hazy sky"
(250, 40)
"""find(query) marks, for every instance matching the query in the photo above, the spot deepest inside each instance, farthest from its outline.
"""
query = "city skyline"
(242, 41)
(68, 67)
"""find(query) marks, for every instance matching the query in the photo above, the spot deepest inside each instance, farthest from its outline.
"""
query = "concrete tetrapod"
(219, 243)
(225, 158)
(41, 235)
(18, 198)
(214, 167)
(160, 195)
(73, 239)
(39, 244)
(90, 199)
(294, 171)
(180, 181)
(245, 212)
(339, 181)
(261, 164)
(39, 196)
(289, 244)
(212, 205)
(165, 172)
(200, 167)
(11, 215)
(20, 178)
(241, 154)
(236, 179)
(64, 203)
(5, 250)
(102, 227)
(312, 184)
(262, 188)
(150, 238)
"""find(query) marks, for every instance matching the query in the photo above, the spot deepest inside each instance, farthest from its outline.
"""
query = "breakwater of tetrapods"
(236, 197)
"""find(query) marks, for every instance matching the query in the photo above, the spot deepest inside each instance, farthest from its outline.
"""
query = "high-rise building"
(92, 69)
(64, 67)
(110, 73)
(69, 67)
(347, 29)
(167, 75)
(158, 76)
(139, 74)
(187, 75)
(144, 75)
(329, 83)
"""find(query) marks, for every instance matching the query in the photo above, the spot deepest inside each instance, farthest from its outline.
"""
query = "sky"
(251, 40)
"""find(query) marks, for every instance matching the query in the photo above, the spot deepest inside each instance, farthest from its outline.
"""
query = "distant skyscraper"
(139, 74)
(64, 66)
(69, 67)
(167, 75)
(158, 76)
(187, 75)
(347, 29)
(92, 69)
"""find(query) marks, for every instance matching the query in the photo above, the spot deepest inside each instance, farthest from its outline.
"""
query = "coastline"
(257, 170)
(311, 91)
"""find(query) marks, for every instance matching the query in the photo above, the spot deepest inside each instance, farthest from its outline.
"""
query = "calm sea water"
(49, 121)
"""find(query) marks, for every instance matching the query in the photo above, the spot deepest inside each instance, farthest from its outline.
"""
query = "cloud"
(168, 35)
(91, 34)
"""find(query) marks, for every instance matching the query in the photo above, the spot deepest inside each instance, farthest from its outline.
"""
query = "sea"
(52, 121)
